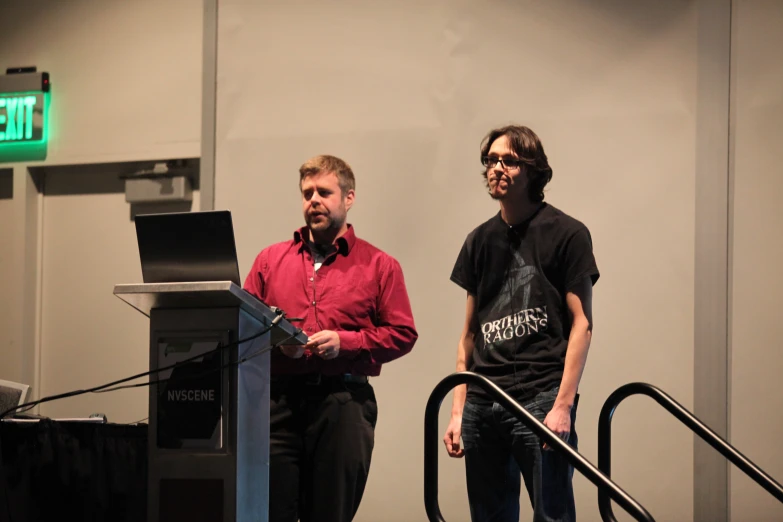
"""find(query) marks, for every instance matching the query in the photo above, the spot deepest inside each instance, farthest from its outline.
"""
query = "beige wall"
(126, 76)
(404, 91)
(89, 336)
(756, 355)
(10, 360)
(126, 85)
(406, 99)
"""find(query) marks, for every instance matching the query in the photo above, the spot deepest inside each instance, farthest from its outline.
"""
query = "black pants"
(321, 441)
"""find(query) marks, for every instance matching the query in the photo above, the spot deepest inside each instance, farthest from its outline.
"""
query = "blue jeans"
(498, 448)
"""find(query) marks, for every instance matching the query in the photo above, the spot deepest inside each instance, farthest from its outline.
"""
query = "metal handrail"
(684, 416)
(432, 446)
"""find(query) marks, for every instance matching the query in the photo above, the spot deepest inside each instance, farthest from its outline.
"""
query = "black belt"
(317, 379)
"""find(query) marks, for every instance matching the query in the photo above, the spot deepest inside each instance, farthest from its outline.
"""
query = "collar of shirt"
(344, 243)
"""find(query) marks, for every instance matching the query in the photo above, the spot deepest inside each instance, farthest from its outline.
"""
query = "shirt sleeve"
(394, 332)
(579, 261)
(254, 282)
(464, 272)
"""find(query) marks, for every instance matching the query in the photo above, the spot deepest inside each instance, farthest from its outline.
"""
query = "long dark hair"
(525, 143)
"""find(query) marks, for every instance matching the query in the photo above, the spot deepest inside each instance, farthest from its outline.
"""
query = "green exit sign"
(22, 118)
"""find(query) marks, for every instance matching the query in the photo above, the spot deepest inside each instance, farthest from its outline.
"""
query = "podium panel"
(209, 428)
(209, 413)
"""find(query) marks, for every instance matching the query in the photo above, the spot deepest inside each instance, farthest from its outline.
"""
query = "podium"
(208, 455)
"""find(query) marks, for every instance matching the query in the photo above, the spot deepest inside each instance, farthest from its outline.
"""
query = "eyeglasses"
(508, 162)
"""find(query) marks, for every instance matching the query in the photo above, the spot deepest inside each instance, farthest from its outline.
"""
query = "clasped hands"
(325, 344)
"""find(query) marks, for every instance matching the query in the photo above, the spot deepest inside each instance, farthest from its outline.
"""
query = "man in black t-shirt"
(528, 272)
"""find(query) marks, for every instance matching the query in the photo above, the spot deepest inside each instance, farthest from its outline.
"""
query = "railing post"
(431, 447)
(684, 416)
(605, 450)
(432, 439)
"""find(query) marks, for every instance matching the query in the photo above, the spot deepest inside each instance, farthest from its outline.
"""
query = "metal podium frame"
(224, 477)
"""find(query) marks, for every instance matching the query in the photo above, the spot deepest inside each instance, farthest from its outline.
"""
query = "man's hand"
(325, 344)
(559, 420)
(294, 351)
(451, 439)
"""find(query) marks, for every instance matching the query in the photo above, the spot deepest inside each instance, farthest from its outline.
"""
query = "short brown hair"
(525, 143)
(326, 163)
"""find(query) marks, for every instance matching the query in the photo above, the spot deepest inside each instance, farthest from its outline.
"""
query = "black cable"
(28, 405)
(28, 408)
(134, 422)
(262, 351)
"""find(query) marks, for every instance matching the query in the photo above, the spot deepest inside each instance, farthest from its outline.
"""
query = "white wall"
(88, 335)
(126, 86)
(404, 92)
(10, 360)
(126, 76)
(756, 354)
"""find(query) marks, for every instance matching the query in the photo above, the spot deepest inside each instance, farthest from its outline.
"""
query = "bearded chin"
(326, 223)
(322, 224)
(495, 195)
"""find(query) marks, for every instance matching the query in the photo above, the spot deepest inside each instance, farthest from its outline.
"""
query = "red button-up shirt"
(358, 292)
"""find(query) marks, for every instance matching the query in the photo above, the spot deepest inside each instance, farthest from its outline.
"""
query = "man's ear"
(348, 198)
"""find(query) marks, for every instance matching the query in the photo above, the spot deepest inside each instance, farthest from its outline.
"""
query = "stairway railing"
(432, 446)
(684, 416)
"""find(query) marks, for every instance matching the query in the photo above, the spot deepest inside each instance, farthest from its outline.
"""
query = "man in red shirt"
(356, 313)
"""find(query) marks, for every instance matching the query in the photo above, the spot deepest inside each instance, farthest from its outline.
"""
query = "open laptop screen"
(12, 394)
(187, 247)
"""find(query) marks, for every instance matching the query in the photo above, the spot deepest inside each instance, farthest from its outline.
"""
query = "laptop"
(12, 394)
(187, 246)
(184, 247)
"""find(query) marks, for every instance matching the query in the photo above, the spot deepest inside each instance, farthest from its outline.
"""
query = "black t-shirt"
(520, 276)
